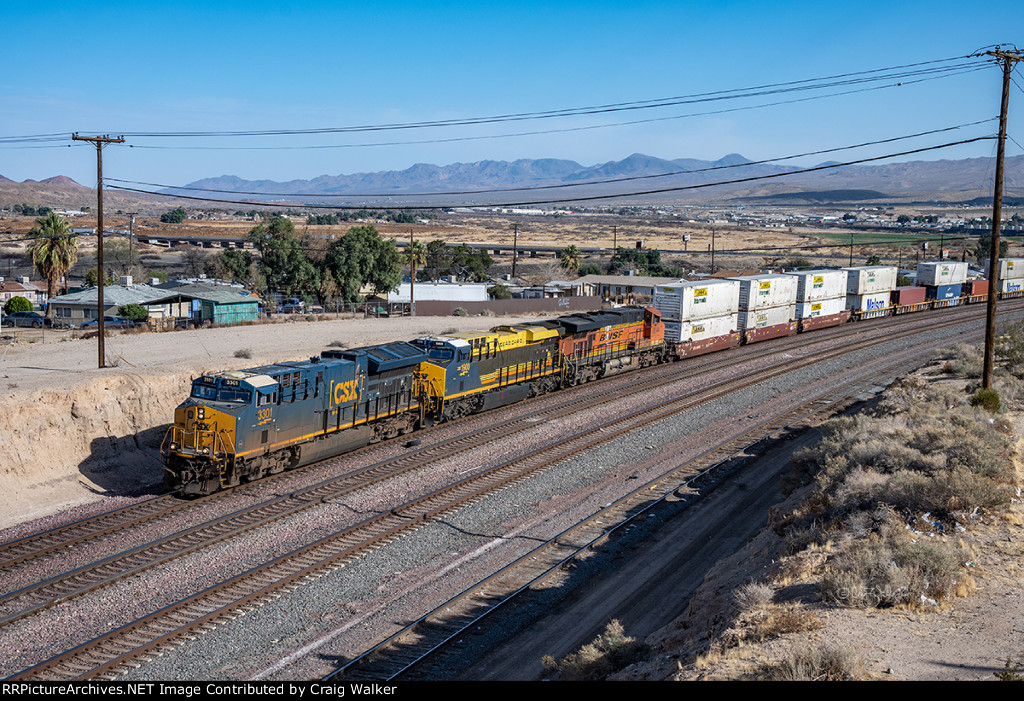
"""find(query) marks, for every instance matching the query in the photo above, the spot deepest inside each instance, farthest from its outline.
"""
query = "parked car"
(33, 319)
(292, 306)
(116, 322)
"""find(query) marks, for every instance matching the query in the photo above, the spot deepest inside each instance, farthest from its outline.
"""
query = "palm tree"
(571, 258)
(417, 256)
(54, 251)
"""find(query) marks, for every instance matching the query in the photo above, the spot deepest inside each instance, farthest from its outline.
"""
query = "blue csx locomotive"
(246, 424)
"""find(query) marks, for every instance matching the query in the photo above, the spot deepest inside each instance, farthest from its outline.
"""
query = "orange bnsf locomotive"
(243, 425)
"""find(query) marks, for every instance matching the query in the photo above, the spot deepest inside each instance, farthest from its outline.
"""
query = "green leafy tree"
(92, 278)
(589, 269)
(873, 260)
(499, 292)
(983, 250)
(17, 304)
(283, 264)
(133, 312)
(361, 257)
(54, 250)
(231, 264)
(439, 258)
(470, 264)
(175, 216)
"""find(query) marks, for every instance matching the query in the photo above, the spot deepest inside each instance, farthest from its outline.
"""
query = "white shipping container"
(769, 316)
(869, 279)
(814, 285)
(868, 302)
(686, 301)
(822, 307)
(1012, 285)
(763, 291)
(935, 274)
(699, 330)
(1009, 268)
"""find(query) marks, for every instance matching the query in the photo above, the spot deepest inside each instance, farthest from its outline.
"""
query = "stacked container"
(767, 306)
(943, 282)
(869, 288)
(699, 316)
(1011, 276)
(820, 298)
(976, 290)
(908, 299)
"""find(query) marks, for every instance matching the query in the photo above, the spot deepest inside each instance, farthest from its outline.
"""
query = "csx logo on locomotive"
(344, 392)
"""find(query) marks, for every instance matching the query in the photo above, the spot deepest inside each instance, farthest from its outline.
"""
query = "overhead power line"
(541, 132)
(564, 185)
(907, 71)
(619, 195)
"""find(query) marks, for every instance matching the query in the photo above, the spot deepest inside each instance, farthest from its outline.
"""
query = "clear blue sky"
(113, 67)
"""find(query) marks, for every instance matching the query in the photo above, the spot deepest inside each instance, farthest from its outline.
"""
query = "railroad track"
(60, 588)
(411, 652)
(203, 610)
(30, 548)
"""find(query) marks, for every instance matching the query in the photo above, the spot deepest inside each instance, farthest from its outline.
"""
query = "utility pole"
(712, 250)
(515, 249)
(1008, 58)
(412, 277)
(851, 249)
(131, 235)
(100, 142)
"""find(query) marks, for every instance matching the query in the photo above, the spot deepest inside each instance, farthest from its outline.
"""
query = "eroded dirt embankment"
(70, 444)
(71, 432)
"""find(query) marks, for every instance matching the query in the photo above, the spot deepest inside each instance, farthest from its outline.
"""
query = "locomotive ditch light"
(206, 451)
(173, 446)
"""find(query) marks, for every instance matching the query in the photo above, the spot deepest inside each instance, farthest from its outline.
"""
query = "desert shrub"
(988, 399)
(608, 653)
(964, 360)
(243, 353)
(1011, 671)
(753, 596)
(1010, 348)
(17, 304)
(933, 455)
(133, 312)
(337, 344)
(460, 311)
(823, 663)
(888, 568)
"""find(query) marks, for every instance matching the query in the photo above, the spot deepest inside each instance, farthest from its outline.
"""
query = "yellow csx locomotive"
(243, 425)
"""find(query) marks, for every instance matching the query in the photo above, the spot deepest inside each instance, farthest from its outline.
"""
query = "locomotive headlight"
(202, 413)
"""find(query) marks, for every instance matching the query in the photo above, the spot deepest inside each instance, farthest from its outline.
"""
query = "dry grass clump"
(608, 653)
(243, 353)
(823, 663)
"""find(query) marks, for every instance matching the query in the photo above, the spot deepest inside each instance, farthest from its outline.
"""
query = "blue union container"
(941, 292)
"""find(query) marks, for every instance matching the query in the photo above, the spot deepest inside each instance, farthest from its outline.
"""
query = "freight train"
(239, 426)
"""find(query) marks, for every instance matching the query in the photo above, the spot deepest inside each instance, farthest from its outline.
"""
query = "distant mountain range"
(637, 178)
